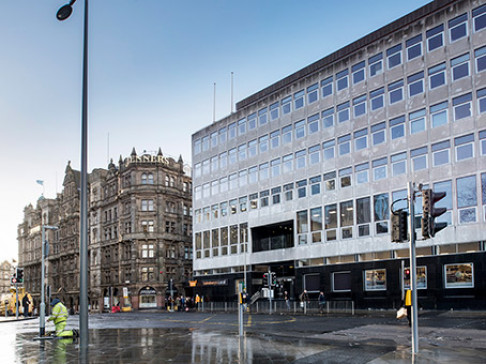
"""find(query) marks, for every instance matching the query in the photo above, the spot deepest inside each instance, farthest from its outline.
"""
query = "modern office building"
(301, 178)
(140, 229)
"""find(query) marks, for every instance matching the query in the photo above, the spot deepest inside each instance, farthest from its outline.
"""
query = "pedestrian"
(304, 300)
(408, 306)
(287, 300)
(322, 302)
(198, 300)
(60, 315)
(26, 304)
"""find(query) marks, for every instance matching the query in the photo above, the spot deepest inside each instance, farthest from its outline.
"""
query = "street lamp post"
(42, 313)
(64, 13)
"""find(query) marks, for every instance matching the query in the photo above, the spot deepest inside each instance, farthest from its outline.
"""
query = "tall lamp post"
(64, 13)
(42, 317)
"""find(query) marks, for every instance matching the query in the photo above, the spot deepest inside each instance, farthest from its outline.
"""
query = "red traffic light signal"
(430, 212)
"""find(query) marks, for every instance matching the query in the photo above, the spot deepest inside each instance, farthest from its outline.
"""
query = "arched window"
(144, 179)
(150, 179)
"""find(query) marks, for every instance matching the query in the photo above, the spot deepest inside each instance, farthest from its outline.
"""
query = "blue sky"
(152, 64)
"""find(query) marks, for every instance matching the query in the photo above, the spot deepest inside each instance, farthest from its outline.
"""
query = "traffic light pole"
(270, 290)
(413, 269)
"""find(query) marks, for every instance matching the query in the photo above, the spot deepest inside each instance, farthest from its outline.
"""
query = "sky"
(152, 69)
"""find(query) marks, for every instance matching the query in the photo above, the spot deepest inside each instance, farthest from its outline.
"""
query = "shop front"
(147, 297)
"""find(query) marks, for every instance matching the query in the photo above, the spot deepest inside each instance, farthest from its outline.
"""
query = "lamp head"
(64, 12)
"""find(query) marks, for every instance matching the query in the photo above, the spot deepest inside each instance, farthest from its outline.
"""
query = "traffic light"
(20, 275)
(399, 226)
(274, 279)
(13, 280)
(406, 274)
(265, 279)
(430, 212)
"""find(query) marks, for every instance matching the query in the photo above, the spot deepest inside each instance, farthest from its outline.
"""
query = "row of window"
(438, 115)
(361, 217)
(438, 154)
(459, 68)
(170, 206)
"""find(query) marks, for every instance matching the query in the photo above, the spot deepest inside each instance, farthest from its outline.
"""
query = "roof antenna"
(232, 92)
(214, 102)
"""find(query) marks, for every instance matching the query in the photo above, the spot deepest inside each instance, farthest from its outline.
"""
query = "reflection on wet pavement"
(153, 345)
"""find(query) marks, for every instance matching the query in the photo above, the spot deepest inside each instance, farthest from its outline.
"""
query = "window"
(243, 177)
(394, 56)
(214, 139)
(301, 188)
(262, 116)
(313, 124)
(327, 118)
(326, 87)
(437, 75)
(440, 153)
(275, 167)
(231, 157)
(345, 177)
(263, 143)
(415, 84)
(205, 143)
(479, 18)
(464, 147)
(302, 227)
(274, 111)
(314, 153)
(395, 91)
(378, 133)
(379, 168)
(264, 173)
(252, 148)
(330, 221)
(363, 216)
(232, 131)
(286, 105)
(197, 146)
(243, 201)
(214, 163)
(197, 169)
(397, 127)
(375, 280)
(148, 227)
(462, 106)
(480, 56)
(299, 129)
(251, 121)
(342, 80)
(376, 97)
(414, 47)
(315, 185)
(214, 188)
(399, 164)
(147, 205)
(375, 64)
(242, 152)
(419, 158)
(358, 71)
(242, 126)
(359, 106)
(328, 149)
(287, 134)
(330, 181)
(288, 188)
(316, 224)
(435, 37)
(344, 144)
(264, 198)
(223, 160)
(300, 157)
(312, 93)
(223, 207)
(482, 142)
(346, 219)
(458, 27)
(381, 212)
(252, 175)
(205, 168)
(483, 188)
(276, 195)
(362, 173)
(438, 114)
(287, 163)
(466, 199)
(459, 275)
(233, 181)
(460, 67)
(361, 139)
(417, 121)
(253, 201)
(343, 112)
(299, 100)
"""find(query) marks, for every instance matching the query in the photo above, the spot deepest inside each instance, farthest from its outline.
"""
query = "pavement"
(445, 337)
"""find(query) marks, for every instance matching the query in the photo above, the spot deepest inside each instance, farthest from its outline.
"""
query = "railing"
(280, 307)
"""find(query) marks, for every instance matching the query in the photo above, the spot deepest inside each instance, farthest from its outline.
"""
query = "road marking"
(207, 319)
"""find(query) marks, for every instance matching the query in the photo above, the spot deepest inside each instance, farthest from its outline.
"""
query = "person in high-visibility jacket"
(408, 305)
(59, 315)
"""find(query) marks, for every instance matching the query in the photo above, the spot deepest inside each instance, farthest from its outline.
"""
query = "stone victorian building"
(140, 226)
